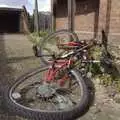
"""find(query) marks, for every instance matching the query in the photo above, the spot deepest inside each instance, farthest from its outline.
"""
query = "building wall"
(86, 16)
(61, 15)
(21, 23)
(115, 16)
(9, 21)
(91, 17)
(24, 23)
(109, 19)
(13, 20)
(44, 21)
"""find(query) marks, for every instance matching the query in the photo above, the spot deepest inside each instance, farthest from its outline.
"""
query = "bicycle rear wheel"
(31, 98)
(49, 45)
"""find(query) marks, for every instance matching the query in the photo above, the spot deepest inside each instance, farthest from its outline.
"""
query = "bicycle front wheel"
(49, 45)
(31, 98)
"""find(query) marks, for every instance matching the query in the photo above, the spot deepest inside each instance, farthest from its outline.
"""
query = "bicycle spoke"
(49, 96)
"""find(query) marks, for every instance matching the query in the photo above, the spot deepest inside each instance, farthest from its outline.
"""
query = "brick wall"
(61, 15)
(91, 16)
(109, 18)
(115, 16)
(61, 23)
(23, 23)
(85, 15)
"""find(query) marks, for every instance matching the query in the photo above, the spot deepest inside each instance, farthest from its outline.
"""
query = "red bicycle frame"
(56, 66)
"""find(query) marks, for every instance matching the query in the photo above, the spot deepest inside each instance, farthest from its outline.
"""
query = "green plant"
(36, 38)
(95, 53)
(111, 77)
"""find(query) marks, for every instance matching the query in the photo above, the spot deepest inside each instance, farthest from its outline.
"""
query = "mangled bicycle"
(57, 91)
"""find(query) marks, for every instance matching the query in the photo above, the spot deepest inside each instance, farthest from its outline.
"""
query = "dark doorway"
(9, 21)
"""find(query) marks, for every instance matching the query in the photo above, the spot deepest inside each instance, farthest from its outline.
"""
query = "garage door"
(9, 21)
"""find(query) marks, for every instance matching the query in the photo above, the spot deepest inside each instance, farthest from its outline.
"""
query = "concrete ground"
(16, 58)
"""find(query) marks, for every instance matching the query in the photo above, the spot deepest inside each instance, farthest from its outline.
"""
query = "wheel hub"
(45, 91)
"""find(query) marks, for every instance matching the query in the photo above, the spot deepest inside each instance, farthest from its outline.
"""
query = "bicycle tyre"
(40, 115)
(63, 31)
